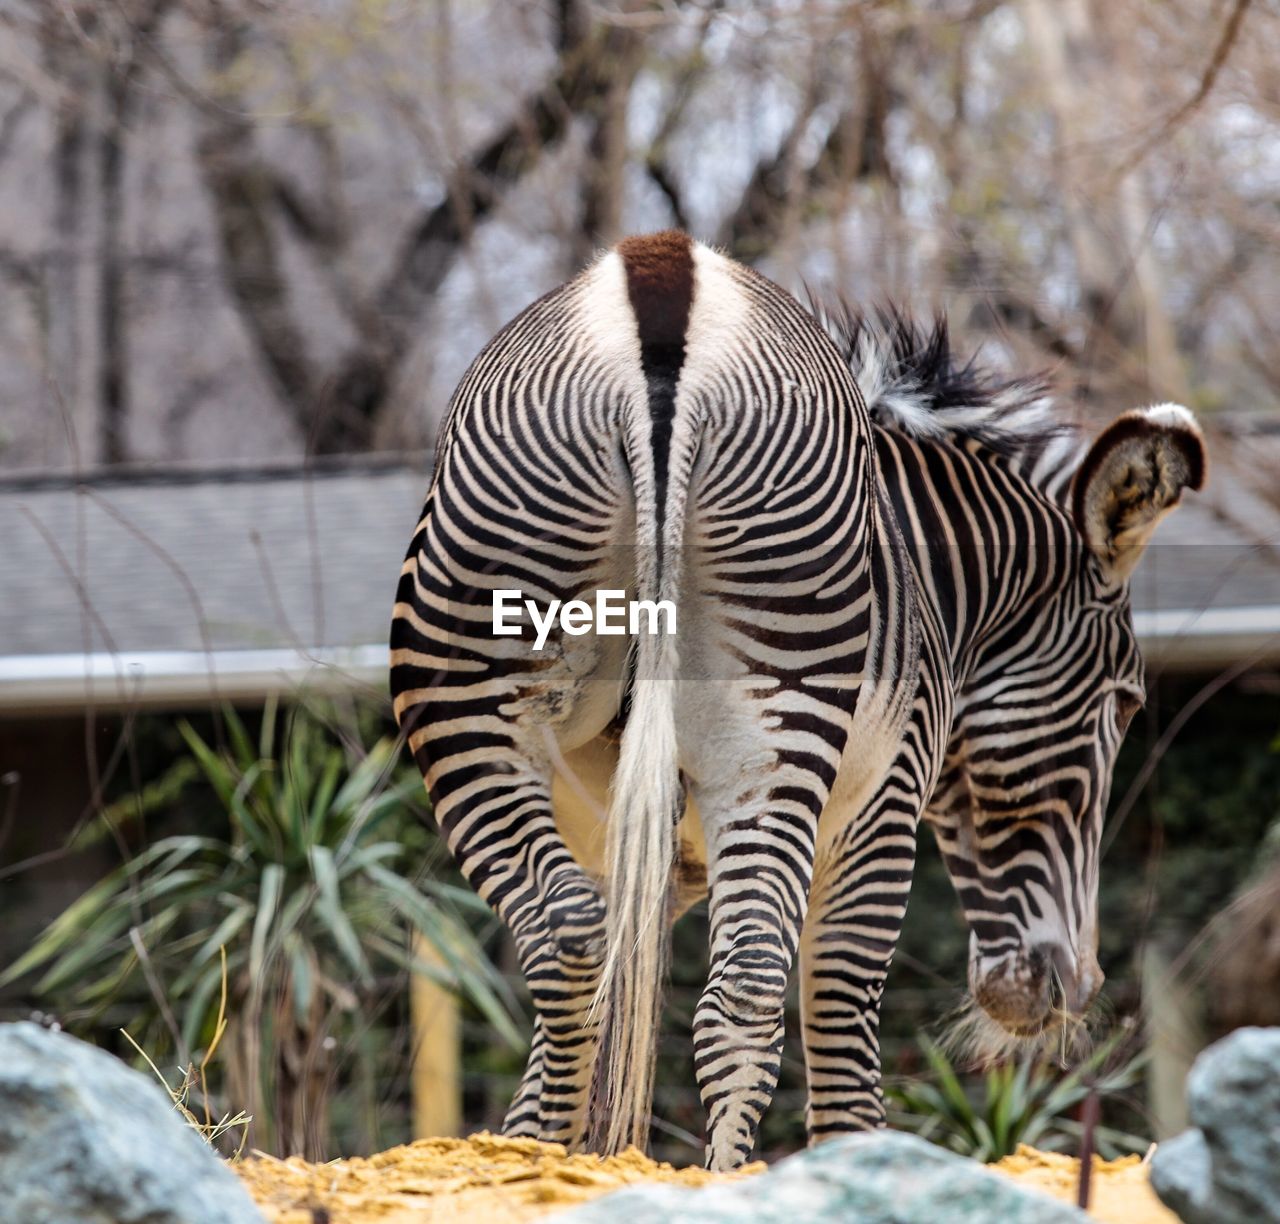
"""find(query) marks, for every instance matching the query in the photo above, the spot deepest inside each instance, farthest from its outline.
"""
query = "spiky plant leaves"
(316, 894)
(1028, 1101)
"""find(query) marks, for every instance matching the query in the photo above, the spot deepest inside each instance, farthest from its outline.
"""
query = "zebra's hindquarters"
(672, 426)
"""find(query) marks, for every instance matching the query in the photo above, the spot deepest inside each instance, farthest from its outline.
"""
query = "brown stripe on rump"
(660, 285)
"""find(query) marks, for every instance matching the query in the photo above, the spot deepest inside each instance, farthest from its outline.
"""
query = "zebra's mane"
(914, 384)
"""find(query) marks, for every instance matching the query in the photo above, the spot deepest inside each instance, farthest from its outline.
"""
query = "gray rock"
(1183, 1176)
(1226, 1169)
(86, 1140)
(883, 1177)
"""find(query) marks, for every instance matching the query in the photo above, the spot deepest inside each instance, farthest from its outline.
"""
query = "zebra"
(902, 592)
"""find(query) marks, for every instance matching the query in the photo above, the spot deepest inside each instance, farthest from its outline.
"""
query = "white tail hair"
(640, 845)
(645, 804)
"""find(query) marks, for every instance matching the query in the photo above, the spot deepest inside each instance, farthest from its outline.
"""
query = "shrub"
(317, 896)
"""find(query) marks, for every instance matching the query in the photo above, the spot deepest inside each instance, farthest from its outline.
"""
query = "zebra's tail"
(639, 850)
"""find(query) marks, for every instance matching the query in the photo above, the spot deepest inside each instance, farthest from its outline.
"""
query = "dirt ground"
(477, 1180)
(1119, 1190)
(488, 1178)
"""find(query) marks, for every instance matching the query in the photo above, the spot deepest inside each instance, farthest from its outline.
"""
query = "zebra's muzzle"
(1031, 991)
(1015, 991)
(1075, 982)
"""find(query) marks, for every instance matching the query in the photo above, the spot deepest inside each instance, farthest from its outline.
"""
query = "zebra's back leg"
(499, 827)
(580, 796)
(759, 783)
(495, 814)
(765, 710)
(487, 733)
(760, 858)
(580, 781)
(857, 903)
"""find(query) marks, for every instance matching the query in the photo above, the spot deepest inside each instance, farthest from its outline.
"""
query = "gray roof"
(227, 559)
(151, 580)
(148, 581)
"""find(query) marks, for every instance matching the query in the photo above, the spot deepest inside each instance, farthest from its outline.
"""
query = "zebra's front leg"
(856, 908)
(759, 879)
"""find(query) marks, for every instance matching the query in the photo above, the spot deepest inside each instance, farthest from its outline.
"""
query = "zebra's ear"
(1132, 477)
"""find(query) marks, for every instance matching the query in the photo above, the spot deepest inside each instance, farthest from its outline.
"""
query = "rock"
(84, 1139)
(1183, 1178)
(1226, 1169)
(883, 1177)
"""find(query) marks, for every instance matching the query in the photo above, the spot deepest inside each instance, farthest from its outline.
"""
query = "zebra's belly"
(580, 797)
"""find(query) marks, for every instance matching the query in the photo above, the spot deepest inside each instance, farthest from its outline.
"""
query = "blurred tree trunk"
(1006, 296)
(1130, 350)
(69, 293)
(1165, 371)
(436, 1020)
(242, 190)
(96, 58)
(113, 369)
(855, 149)
(1175, 1035)
(138, 25)
(338, 407)
(604, 176)
(686, 73)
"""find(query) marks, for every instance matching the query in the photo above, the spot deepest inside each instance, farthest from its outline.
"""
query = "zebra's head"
(1045, 703)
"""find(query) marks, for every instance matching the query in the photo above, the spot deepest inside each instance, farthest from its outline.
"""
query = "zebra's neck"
(986, 543)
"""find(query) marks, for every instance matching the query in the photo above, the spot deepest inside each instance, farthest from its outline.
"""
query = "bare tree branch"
(855, 148)
(338, 408)
(357, 389)
(1171, 123)
(242, 192)
(687, 76)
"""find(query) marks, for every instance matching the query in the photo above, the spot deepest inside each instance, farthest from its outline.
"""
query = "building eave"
(174, 679)
(1174, 640)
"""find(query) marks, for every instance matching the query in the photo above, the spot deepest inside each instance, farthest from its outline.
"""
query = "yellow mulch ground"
(481, 1179)
(487, 1179)
(1119, 1191)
